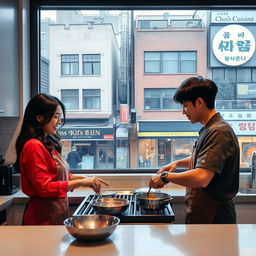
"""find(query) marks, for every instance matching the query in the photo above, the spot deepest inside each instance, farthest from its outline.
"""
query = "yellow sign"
(167, 134)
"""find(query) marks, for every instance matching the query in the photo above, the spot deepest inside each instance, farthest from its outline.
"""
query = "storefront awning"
(162, 129)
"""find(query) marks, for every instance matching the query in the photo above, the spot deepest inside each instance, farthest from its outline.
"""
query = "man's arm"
(173, 165)
(194, 178)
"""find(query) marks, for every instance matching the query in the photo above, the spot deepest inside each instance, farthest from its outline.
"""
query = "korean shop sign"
(224, 16)
(233, 45)
(86, 133)
(243, 127)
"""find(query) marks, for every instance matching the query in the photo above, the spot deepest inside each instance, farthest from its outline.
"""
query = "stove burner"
(133, 214)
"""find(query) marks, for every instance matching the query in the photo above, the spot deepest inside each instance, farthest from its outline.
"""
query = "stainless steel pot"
(112, 206)
(153, 201)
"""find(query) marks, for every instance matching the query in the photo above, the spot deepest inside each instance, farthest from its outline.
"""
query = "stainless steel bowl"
(112, 206)
(91, 227)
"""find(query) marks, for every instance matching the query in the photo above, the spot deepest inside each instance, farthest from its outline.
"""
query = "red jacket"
(38, 172)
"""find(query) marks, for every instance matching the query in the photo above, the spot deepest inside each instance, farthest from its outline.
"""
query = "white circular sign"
(233, 45)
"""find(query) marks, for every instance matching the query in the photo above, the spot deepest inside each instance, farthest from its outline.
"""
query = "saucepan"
(153, 200)
(111, 206)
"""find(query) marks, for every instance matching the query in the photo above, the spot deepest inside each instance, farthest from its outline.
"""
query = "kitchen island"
(133, 240)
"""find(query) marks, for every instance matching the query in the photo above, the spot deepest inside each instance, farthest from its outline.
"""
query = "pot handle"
(166, 200)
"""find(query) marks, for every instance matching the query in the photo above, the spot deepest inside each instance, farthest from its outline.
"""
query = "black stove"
(133, 214)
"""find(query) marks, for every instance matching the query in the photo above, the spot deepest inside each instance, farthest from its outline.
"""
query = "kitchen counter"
(133, 240)
(177, 192)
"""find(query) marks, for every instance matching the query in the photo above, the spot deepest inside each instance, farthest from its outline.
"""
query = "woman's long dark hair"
(44, 105)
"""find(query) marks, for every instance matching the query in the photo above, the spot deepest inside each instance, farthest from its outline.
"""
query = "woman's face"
(52, 125)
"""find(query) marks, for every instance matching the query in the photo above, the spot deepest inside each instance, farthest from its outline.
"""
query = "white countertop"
(133, 240)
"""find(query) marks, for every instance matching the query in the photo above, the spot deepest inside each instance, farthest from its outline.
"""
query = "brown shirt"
(217, 149)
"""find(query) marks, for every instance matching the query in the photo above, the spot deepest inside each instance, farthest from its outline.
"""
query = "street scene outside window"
(117, 71)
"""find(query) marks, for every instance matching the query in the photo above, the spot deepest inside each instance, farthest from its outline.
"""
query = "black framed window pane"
(91, 64)
(91, 99)
(70, 98)
(152, 62)
(87, 69)
(244, 75)
(230, 74)
(170, 62)
(218, 74)
(96, 68)
(69, 64)
(188, 62)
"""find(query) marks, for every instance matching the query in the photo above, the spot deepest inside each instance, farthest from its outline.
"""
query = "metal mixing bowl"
(91, 227)
(112, 206)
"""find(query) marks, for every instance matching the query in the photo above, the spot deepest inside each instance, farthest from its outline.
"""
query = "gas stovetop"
(133, 214)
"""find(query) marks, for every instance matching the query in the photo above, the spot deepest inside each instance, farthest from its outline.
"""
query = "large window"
(170, 62)
(69, 64)
(160, 99)
(105, 64)
(91, 64)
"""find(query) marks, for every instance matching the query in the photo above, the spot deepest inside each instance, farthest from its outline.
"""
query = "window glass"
(244, 75)
(91, 64)
(253, 74)
(91, 99)
(218, 74)
(69, 64)
(70, 98)
(116, 71)
(170, 62)
(160, 99)
(230, 74)
(188, 62)
(152, 62)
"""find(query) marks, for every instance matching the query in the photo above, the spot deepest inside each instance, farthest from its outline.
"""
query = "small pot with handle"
(153, 200)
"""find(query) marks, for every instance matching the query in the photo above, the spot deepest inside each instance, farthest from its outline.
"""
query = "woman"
(45, 175)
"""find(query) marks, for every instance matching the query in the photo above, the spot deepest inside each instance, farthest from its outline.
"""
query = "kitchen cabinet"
(9, 96)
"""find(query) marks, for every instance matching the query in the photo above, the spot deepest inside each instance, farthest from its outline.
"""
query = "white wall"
(79, 39)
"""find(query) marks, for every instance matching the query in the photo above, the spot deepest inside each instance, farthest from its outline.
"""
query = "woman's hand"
(94, 183)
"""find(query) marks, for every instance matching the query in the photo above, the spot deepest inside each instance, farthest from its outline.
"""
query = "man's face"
(191, 111)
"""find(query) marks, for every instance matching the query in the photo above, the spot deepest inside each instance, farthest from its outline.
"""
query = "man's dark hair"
(195, 87)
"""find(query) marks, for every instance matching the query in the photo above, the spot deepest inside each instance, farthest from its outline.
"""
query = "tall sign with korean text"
(233, 45)
(232, 39)
(124, 113)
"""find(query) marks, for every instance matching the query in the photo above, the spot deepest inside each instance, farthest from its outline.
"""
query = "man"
(212, 179)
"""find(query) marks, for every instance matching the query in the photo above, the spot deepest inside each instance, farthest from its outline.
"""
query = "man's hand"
(156, 182)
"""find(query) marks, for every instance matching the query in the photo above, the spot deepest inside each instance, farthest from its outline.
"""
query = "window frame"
(74, 90)
(161, 99)
(92, 62)
(178, 62)
(91, 96)
(37, 5)
(70, 64)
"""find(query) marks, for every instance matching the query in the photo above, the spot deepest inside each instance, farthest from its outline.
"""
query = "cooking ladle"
(148, 191)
